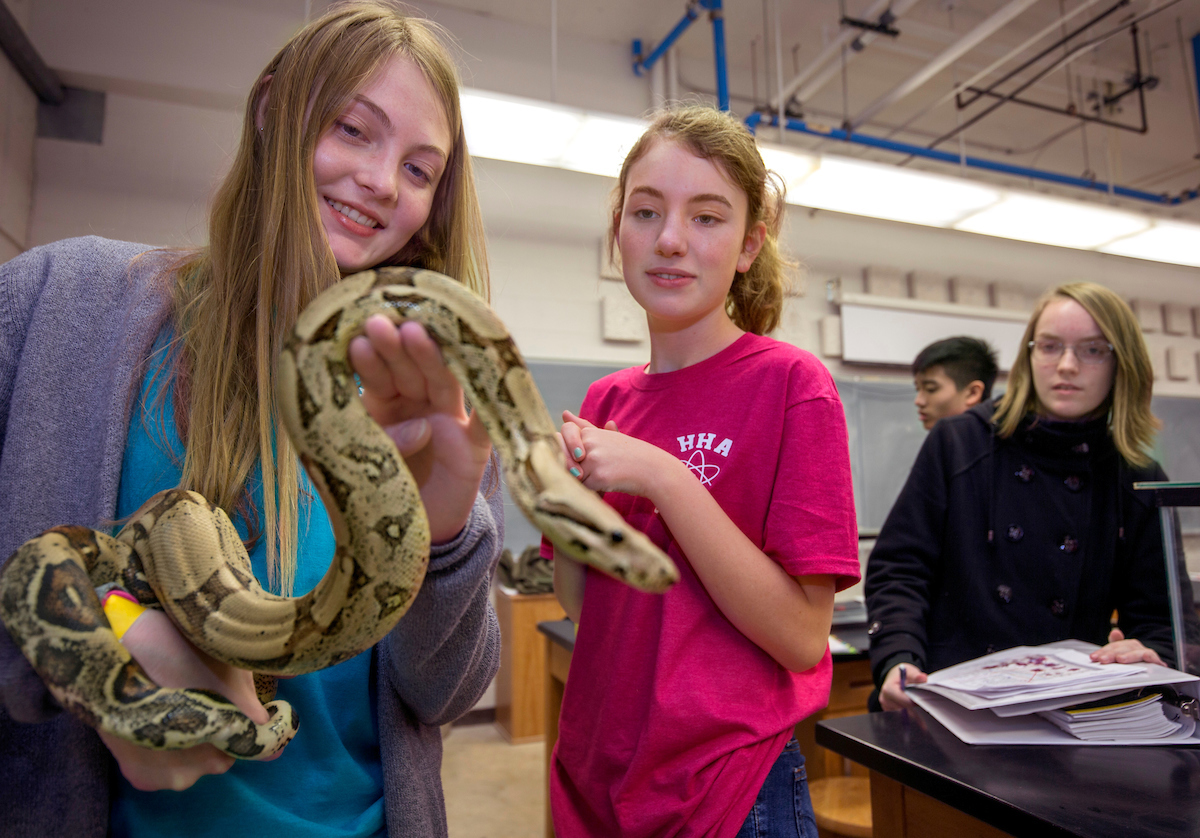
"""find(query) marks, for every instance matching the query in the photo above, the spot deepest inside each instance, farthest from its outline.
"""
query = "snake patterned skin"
(182, 554)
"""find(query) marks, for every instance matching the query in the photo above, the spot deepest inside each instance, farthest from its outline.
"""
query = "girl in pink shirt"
(729, 450)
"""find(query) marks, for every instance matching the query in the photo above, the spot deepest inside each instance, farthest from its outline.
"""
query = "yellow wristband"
(122, 610)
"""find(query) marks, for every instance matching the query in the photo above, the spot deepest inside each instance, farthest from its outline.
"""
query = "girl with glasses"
(1019, 524)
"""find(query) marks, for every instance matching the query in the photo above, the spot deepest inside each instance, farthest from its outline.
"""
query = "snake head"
(587, 529)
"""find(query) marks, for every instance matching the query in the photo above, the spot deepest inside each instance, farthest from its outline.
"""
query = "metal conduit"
(41, 79)
(1027, 44)
(807, 90)
(832, 50)
(948, 57)
(717, 18)
(756, 119)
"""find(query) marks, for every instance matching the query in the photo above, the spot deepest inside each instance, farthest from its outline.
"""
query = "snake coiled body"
(184, 555)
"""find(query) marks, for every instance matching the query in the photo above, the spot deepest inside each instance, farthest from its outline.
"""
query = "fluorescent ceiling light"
(543, 134)
(523, 131)
(861, 188)
(600, 145)
(1166, 241)
(793, 166)
(517, 130)
(1034, 218)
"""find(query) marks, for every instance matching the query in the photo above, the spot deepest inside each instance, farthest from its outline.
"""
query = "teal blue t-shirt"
(329, 780)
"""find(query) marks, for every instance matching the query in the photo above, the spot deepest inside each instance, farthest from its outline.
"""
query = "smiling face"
(377, 167)
(682, 236)
(1068, 389)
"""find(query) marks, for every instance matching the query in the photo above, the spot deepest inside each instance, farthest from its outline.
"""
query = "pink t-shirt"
(672, 718)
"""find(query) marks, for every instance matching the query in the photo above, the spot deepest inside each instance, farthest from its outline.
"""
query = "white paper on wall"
(1181, 363)
(885, 282)
(930, 287)
(1149, 314)
(967, 291)
(621, 318)
(610, 268)
(873, 335)
(1177, 319)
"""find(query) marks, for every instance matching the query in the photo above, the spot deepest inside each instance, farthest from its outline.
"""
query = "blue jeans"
(783, 807)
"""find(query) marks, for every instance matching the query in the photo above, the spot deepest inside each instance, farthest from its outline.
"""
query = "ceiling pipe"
(999, 62)
(968, 42)
(779, 64)
(43, 81)
(553, 50)
(810, 88)
(716, 16)
(832, 50)
(1067, 58)
(1196, 69)
(1161, 199)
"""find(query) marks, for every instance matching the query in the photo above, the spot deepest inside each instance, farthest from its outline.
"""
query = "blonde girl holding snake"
(126, 370)
(729, 451)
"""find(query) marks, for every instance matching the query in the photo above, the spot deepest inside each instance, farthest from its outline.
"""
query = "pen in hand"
(903, 678)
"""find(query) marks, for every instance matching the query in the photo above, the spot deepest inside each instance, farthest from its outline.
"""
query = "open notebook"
(1053, 694)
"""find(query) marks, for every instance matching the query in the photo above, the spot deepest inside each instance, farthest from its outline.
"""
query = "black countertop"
(1083, 791)
(561, 632)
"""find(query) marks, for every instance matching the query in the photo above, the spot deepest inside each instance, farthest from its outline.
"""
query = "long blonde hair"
(236, 300)
(755, 299)
(1130, 421)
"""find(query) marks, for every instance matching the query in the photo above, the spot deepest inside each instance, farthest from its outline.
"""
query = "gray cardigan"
(77, 321)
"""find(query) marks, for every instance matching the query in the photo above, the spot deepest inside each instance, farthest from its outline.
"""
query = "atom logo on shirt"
(696, 461)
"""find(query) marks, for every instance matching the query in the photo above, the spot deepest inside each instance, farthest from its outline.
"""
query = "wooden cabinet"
(521, 682)
(847, 697)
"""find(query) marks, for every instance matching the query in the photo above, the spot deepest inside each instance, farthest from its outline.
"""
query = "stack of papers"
(1031, 672)
(1055, 694)
(1123, 717)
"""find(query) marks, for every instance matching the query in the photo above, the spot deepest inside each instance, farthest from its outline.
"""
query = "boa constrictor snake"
(182, 554)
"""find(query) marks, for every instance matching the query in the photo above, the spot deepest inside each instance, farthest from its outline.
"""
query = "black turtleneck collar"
(1065, 439)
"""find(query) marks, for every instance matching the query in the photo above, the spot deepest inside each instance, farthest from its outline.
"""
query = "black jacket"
(995, 543)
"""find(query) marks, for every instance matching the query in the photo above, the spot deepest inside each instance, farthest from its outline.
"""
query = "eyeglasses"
(1093, 352)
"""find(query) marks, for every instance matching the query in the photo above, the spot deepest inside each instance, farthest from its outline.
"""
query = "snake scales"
(182, 554)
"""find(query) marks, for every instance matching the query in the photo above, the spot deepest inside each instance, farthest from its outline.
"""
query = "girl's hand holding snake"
(611, 461)
(172, 661)
(411, 393)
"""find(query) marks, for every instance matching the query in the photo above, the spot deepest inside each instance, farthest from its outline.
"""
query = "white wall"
(18, 125)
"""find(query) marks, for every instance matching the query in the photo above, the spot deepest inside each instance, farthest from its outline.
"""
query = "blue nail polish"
(578, 452)
(576, 472)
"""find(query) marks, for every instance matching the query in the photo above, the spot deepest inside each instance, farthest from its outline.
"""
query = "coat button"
(1024, 474)
(1015, 533)
(1069, 544)
(1004, 592)
(1058, 608)
(874, 628)
(1081, 448)
(1074, 483)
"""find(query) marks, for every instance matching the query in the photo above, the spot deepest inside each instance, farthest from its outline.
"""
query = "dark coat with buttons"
(995, 543)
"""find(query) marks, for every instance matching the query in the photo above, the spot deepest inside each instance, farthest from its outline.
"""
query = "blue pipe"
(644, 64)
(755, 119)
(717, 16)
(1196, 63)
